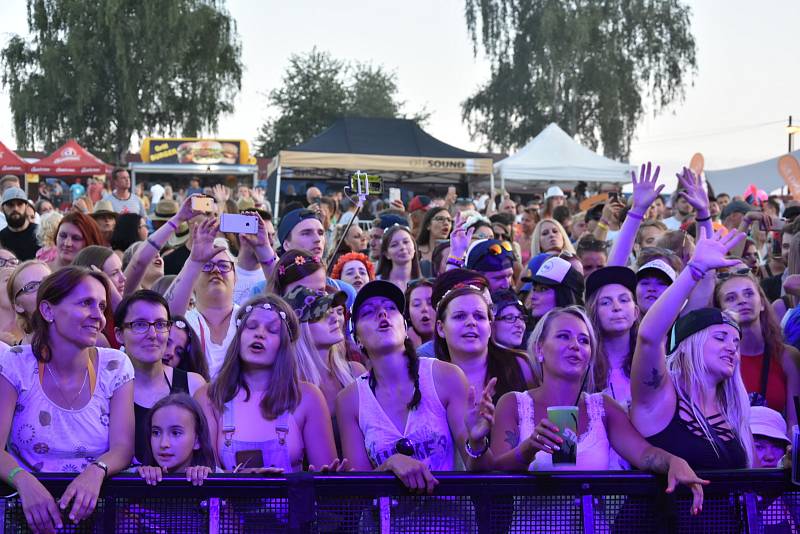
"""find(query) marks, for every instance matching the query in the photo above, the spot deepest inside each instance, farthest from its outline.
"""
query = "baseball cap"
(554, 191)
(791, 212)
(736, 206)
(377, 288)
(310, 305)
(14, 193)
(419, 202)
(611, 275)
(489, 255)
(767, 422)
(558, 271)
(292, 219)
(387, 220)
(658, 268)
(694, 322)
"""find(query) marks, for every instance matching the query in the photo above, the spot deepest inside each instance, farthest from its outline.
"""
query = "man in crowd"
(494, 260)
(121, 197)
(19, 236)
(681, 212)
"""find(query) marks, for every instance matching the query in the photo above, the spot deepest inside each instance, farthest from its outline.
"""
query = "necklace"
(61, 391)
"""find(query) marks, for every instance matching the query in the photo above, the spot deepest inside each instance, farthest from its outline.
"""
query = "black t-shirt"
(173, 262)
(23, 244)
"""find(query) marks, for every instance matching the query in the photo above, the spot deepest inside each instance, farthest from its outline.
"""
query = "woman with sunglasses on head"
(143, 324)
(770, 368)
(408, 415)
(21, 288)
(435, 227)
(463, 336)
(419, 312)
(261, 417)
(78, 401)
(691, 400)
(210, 273)
(524, 438)
(10, 331)
(399, 262)
(184, 350)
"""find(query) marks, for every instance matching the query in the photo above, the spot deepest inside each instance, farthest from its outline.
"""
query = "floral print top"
(45, 437)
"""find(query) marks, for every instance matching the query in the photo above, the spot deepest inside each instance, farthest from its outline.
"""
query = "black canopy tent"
(398, 149)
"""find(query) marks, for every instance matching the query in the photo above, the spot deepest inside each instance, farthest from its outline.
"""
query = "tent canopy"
(553, 157)
(10, 162)
(736, 180)
(397, 145)
(71, 159)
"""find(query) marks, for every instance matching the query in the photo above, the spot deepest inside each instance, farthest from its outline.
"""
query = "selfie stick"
(362, 190)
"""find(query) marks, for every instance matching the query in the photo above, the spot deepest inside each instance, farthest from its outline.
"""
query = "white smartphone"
(238, 224)
(394, 194)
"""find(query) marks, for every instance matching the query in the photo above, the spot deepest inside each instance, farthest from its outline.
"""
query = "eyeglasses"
(729, 274)
(442, 219)
(8, 262)
(223, 266)
(28, 288)
(511, 318)
(140, 327)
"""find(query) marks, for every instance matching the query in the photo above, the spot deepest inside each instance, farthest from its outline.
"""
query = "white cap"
(658, 265)
(767, 422)
(554, 191)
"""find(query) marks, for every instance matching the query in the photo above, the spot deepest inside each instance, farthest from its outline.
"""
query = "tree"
(317, 89)
(586, 65)
(105, 70)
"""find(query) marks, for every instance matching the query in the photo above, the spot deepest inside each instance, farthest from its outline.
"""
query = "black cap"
(736, 206)
(387, 220)
(292, 219)
(610, 275)
(791, 212)
(377, 288)
(490, 255)
(695, 321)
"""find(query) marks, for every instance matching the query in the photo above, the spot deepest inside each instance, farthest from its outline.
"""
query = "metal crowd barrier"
(755, 501)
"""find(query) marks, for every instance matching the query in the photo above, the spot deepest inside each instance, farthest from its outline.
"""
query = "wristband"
(703, 219)
(478, 454)
(102, 465)
(602, 226)
(455, 262)
(153, 244)
(14, 472)
(269, 261)
(635, 215)
(696, 272)
(172, 224)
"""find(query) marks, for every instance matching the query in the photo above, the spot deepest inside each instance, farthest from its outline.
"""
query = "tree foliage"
(104, 70)
(318, 89)
(586, 65)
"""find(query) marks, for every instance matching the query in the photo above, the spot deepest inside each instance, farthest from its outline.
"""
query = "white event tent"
(555, 158)
(735, 181)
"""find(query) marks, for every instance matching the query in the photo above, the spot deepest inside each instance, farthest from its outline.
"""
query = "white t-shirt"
(44, 437)
(215, 354)
(672, 223)
(245, 282)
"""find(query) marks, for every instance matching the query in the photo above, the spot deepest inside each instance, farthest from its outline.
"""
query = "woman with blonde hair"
(46, 236)
(21, 287)
(691, 400)
(549, 236)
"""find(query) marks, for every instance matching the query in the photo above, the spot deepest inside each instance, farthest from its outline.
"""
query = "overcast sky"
(734, 112)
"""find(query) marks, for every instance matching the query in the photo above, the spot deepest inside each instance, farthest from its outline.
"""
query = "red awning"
(71, 159)
(10, 163)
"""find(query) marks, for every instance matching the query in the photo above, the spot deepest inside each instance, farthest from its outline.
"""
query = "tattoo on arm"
(169, 296)
(655, 379)
(656, 461)
(512, 438)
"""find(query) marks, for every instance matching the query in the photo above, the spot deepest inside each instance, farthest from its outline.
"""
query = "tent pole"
(503, 183)
(491, 187)
(277, 190)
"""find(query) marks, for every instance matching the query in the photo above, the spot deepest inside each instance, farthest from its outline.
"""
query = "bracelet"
(602, 226)
(172, 224)
(454, 262)
(102, 465)
(703, 219)
(269, 261)
(14, 472)
(696, 272)
(153, 244)
(635, 215)
(478, 454)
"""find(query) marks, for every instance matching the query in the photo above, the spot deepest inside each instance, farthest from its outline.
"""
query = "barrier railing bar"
(587, 511)
(752, 520)
(213, 515)
(385, 510)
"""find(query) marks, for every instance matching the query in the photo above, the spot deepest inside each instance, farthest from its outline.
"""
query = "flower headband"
(298, 260)
(266, 306)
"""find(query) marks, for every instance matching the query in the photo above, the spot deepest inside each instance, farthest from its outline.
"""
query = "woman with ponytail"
(407, 415)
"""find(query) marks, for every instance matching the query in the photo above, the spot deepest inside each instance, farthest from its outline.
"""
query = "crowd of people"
(411, 338)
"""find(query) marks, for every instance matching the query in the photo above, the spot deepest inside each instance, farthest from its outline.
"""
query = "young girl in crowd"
(78, 401)
(74, 232)
(564, 350)
(463, 337)
(508, 327)
(691, 400)
(408, 415)
(549, 236)
(152, 270)
(555, 283)
(399, 263)
(130, 228)
(435, 227)
(353, 268)
(297, 268)
(770, 368)
(21, 288)
(177, 441)
(259, 413)
(143, 325)
(321, 350)
(419, 312)
(184, 350)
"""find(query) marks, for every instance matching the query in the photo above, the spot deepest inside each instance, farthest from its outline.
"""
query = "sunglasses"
(730, 274)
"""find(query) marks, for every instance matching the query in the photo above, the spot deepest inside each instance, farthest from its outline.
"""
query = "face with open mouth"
(550, 238)
(466, 326)
(615, 308)
(260, 338)
(173, 438)
(421, 311)
(721, 351)
(380, 326)
(566, 347)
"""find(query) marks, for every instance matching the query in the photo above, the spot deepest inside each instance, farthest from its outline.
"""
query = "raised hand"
(186, 212)
(203, 248)
(221, 194)
(693, 190)
(710, 252)
(460, 238)
(644, 188)
(680, 473)
(480, 415)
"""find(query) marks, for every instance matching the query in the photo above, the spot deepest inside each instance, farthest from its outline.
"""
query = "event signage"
(789, 169)
(697, 163)
(195, 151)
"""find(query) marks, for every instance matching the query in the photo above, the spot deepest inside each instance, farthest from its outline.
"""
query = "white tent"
(553, 157)
(735, 181)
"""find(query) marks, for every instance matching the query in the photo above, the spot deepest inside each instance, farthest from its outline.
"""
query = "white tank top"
(426, 425)
(593, 445)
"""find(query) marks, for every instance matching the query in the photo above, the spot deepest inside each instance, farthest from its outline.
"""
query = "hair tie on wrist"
(703, 219)
(172, 224)
(635, 215)
(153, 244)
